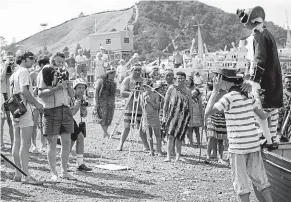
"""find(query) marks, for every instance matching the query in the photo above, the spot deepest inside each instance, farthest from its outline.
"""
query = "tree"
(77, 48)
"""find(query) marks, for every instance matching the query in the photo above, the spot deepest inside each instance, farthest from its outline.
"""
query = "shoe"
(84, 168)
(272, 146)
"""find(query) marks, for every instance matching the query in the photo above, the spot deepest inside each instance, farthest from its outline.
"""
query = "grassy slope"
(77, 30)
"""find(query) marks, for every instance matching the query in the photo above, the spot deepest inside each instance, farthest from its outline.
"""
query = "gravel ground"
(149, 179)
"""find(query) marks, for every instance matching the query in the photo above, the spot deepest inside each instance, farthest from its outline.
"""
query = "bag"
(16, 106)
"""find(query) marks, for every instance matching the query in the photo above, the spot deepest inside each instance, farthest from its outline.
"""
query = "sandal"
(68, 177)
(32, 181)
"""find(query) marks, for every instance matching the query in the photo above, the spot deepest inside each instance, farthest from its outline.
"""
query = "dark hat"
(227, 72)
(247, 15)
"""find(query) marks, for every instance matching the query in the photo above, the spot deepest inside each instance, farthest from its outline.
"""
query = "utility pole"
(44, 25)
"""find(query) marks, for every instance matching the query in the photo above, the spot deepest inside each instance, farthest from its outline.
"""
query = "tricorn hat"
(247, 15)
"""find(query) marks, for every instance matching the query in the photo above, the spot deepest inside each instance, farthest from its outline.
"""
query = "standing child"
(198, 113)
(244, 144)
(151, 122)
(216, 133)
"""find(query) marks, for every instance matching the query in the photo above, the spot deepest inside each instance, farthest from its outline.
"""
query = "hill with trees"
(158, 22)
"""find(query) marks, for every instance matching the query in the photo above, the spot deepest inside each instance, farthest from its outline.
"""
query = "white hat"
(135, 55)
(79, 81)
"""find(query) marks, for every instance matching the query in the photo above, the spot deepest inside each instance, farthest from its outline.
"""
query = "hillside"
(77, 30)
(157, 23)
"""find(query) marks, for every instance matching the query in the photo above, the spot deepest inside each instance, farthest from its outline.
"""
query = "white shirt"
(122, 70)
(19, 79)
(81, 59)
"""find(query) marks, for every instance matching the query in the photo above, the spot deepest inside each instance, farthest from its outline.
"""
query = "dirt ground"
(149, 179)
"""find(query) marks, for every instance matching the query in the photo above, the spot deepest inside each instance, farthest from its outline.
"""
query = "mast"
(288, 40)
(200, 42)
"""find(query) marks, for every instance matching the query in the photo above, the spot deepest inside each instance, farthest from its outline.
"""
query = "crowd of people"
(170, 106)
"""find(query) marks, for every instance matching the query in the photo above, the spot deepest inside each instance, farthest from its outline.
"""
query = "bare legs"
(170, 145)
(9, 122)
(65, 152)
(15, 151)
(158, 139)
(211, 145)
(105, 131)
(124, 136)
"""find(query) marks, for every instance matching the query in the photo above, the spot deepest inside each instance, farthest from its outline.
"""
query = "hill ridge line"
(125, 9)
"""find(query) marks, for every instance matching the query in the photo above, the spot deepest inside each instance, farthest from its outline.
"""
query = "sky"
(20, 19)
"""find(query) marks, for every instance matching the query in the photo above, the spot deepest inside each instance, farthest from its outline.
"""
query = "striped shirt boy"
(242, 132)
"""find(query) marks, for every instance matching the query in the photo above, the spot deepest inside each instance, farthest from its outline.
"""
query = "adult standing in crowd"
(33, 76)
(7, 66)
(187, 59)
(105, 92)
(286, 108)
(21, 84)
(128, 86)
(55, 93)
(81, 63)
(177, 114)
(177, 59)
(198, 80)
(264, 73)
(71, 62)
(122, 71)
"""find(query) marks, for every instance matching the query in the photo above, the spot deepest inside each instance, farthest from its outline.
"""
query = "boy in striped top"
(244, 144)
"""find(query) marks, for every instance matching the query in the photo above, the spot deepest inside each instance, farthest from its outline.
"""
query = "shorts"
(77, 131)
(127, 118)
(5, 95)
(57, 120)
(245, 166)
(81, 69)
(177, 65)
(27, 119)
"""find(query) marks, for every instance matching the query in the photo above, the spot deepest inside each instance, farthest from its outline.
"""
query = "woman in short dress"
(177, 114)
(105, 100)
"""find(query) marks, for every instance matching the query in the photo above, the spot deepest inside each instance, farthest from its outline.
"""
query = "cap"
(79, 81)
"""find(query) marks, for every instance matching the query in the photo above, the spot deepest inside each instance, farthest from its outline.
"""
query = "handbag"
(15, 105)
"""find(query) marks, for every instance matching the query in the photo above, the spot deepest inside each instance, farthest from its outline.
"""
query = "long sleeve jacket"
(266, 69)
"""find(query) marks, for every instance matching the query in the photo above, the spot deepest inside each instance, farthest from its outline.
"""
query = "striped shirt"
(242, 132)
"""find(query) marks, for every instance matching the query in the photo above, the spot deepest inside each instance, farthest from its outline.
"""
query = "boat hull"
(278, 169)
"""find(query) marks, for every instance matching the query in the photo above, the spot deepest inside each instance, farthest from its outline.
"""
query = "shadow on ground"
(9, 194)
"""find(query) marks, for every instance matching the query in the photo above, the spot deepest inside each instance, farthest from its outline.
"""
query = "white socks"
(80, 160)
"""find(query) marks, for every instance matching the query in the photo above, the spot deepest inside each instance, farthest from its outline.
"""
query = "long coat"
(267, 70)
